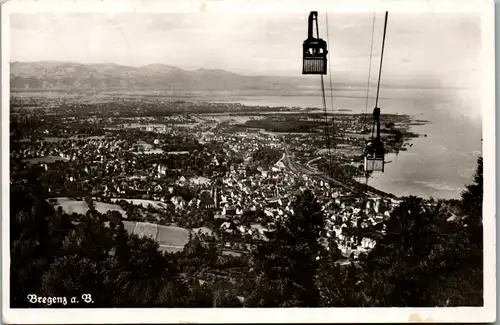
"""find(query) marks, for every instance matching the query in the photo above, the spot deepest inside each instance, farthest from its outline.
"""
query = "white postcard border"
(251, 315)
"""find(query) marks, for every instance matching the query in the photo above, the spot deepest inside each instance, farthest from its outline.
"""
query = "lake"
(439, 165)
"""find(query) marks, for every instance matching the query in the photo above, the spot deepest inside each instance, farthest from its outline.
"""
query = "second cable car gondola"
(375, 150)
(314, 49)
(374, 157)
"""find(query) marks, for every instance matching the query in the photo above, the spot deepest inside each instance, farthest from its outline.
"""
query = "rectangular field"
(172, 236)
(144, 203)
(80, 207)
(144, 229)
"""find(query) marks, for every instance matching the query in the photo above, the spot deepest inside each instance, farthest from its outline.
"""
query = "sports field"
(69, 206)
(170, 238)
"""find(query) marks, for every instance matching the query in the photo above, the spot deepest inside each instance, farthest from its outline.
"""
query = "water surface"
(439, 165)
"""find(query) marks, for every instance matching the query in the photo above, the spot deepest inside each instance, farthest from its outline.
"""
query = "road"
(313, 160)
(300, 169)
(297, 168)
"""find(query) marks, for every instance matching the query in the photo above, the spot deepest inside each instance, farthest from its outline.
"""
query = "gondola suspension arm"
(375, 151)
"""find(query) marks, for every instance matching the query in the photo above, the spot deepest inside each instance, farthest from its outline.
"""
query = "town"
(228, 176)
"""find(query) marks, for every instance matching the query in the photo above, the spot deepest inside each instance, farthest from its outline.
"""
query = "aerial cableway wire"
(381, 59)
(369, 72)
(368, 86)
(329, 158)
(323, 93)
(331, 96)
(326, 128)
(376, 121)
(380, 70)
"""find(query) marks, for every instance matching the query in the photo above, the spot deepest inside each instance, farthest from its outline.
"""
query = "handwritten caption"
(34, 299)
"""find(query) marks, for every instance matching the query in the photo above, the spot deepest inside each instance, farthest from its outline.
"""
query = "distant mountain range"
(69, 76)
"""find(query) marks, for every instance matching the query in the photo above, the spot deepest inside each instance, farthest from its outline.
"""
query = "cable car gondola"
(314, 50)
(375, 150)
(374, 160)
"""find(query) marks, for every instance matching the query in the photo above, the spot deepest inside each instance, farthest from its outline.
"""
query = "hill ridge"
(62, 75)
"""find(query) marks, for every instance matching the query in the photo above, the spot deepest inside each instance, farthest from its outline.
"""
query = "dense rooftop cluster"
(229, 166)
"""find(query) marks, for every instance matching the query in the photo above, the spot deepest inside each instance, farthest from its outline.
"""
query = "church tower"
(214, 196)
(216, 193)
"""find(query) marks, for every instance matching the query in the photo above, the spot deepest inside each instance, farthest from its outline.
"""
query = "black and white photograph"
(240, 162)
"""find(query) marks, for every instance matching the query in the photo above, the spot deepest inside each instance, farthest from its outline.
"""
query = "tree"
(342, 285)
(423, 260)
(404, 256)
(29, 241)
(287, 264)
(51, 256)
(91, 204)
(472, 205)
(72, 275)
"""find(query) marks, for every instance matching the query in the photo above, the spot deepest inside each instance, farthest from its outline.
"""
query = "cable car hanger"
(374, 159)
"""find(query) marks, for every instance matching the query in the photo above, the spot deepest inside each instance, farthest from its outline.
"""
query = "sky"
(422, 49)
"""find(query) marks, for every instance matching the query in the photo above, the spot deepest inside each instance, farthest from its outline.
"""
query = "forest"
(423, 260)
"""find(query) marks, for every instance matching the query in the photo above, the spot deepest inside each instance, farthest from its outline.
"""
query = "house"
(258, 231)
(226, 226)
(231, 211)
(268, 212)
(162, 170)
(206, 200)
(178, 202)
(368, 243)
